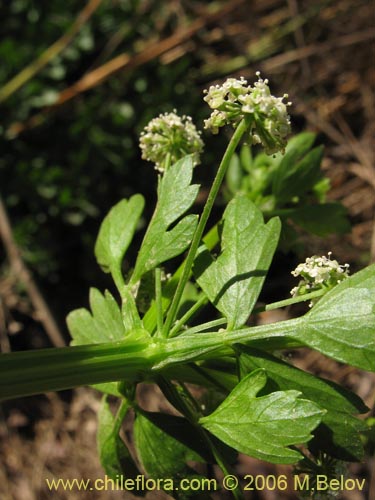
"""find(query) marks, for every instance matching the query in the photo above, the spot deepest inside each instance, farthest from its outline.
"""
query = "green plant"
(260, 405)
(290, 186)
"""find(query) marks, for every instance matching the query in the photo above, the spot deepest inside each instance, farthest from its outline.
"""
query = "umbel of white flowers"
(319, 273)
(234, 99)
(170, 134)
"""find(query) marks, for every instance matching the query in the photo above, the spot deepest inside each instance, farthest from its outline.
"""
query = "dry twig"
(23, 274)
(32, 69)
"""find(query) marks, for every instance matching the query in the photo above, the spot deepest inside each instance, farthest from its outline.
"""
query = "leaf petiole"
(291, 301)
(158, 301)
(180, 323)
(205, 326)
(120, 415)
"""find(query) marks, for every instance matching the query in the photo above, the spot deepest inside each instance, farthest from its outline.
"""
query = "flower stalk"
(239, 132)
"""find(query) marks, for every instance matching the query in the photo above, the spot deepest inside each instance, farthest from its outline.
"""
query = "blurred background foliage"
(58, 179)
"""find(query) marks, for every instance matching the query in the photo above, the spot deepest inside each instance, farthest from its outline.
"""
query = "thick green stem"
(211, 345)
(239, 132)
(33, 372)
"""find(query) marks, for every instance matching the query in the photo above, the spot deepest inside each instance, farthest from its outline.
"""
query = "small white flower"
(215, 121)
(170, 134)
(222, 95)
(319, 273)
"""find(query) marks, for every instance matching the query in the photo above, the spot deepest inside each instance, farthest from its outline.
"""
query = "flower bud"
(235, 99)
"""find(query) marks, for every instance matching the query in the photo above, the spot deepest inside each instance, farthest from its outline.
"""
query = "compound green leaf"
(264, 427)
(338, 433)
(113, 453)
(234, 280)
(175, 196)
(117, 231)
(342, 324)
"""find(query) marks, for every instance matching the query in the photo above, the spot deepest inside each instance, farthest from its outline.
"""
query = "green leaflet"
(292, 165)
(234, 175)
(234, 280)
(113, 453)
(342, 324)
(103, 325)
(322, 220)
(264, 427)
(115, 235)
(106, 323)
(338, 433)
(160, 454)
(117, 231)
(164, 446)
(246, 157)
(340, 436)
(296, 178)
(175, 196)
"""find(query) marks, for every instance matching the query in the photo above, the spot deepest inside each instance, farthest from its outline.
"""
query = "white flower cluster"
(235, 99)
(170, 134)
(319, 273)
